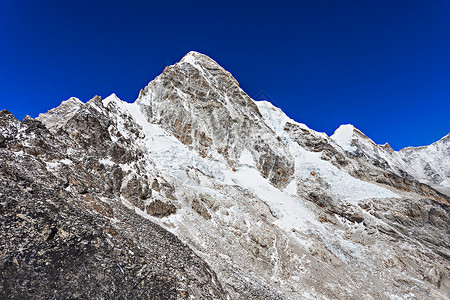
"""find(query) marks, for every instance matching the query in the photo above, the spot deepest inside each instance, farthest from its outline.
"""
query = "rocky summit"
(196, 191)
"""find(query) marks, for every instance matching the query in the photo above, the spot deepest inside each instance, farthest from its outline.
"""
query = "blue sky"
(383, 66)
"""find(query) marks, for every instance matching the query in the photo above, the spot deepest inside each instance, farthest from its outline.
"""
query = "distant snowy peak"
(348, 137)
(428, 164)
(443, 142)
(111, 98)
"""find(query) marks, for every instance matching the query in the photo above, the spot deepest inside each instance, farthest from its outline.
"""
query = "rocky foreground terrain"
(196, 191)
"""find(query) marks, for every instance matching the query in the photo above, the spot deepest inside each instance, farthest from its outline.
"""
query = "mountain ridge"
(271, 208)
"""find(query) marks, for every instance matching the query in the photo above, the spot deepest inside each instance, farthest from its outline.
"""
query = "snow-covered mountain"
(271, 208)
(427, 164)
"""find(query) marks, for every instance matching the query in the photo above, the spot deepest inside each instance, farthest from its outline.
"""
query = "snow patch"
(246, 158)
(343, 136)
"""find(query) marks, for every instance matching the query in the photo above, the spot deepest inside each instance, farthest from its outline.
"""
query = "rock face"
(9, 126)
(197, 191)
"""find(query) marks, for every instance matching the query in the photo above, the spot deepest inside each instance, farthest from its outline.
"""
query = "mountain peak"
(202, 62)
(192, 54)
(111, 98)
(347, 133)
(74, 100)
(193, 57)
(60, 114)
(345, 128)
(202, 105)
(344, 136)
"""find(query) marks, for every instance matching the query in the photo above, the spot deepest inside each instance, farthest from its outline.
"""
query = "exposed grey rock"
(9, 126)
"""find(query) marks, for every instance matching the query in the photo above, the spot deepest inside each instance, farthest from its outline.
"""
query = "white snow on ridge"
(246, 158)
(111, 98)
(275, 118)
(190, 58)
(341, 183)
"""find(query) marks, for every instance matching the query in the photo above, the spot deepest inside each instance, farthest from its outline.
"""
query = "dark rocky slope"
(56, 244)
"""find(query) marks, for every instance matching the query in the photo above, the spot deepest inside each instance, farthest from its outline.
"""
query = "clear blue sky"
(383, 66)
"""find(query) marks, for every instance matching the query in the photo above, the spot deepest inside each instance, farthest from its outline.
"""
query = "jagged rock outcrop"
(314, 142)
(9, 126)
(58, 115)
(197, 191)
